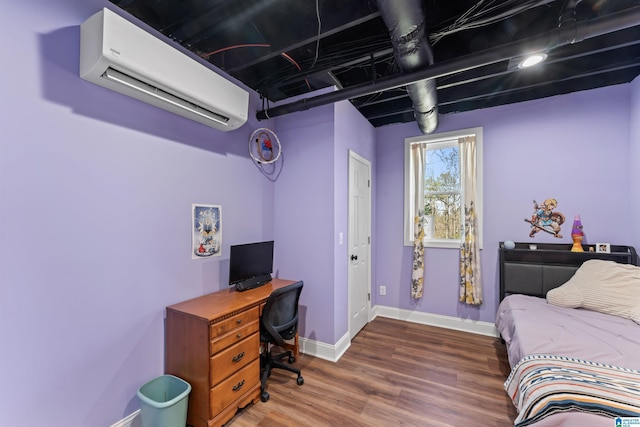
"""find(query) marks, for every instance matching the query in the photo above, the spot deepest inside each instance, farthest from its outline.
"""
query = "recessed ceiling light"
(532, 60)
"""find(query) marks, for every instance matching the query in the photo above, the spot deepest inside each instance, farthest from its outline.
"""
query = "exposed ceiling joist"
(273, 47)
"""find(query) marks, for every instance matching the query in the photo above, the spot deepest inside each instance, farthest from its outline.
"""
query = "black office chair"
(279, 322)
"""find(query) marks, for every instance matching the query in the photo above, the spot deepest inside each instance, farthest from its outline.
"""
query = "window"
(443, 185)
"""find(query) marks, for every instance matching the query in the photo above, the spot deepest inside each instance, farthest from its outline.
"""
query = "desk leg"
(293, 346)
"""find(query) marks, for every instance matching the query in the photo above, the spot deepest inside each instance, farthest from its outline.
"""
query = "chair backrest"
(280, 314)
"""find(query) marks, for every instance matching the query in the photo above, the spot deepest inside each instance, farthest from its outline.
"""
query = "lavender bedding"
(529, 325)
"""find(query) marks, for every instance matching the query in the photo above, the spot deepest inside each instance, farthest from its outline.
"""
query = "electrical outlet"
(383, 290)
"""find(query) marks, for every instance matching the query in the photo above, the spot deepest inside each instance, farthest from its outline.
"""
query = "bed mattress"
(530, 325)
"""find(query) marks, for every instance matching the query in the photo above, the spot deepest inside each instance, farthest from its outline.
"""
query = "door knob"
(354, 257)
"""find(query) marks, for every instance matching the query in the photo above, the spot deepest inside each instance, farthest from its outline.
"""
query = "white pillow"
(604, 286)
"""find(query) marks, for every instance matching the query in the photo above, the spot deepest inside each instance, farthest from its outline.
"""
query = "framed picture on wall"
(206, 231)
(603, 247)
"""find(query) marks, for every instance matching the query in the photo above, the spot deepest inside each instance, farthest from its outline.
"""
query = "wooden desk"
(213, 343)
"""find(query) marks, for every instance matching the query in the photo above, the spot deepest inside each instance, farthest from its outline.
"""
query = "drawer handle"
(238, 357)
(239, 321)
(239, 336)
(238, 386)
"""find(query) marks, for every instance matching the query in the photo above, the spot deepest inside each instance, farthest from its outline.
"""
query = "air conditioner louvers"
(116, 54)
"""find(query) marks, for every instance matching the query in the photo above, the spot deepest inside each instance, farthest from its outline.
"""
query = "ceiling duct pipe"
(555, 38)
(405, 21)
(568, 13)
(567, 18)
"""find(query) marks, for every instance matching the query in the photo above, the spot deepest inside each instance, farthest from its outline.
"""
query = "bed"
(575, 359)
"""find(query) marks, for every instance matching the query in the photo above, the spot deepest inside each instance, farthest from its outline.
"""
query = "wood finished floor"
(394, 374)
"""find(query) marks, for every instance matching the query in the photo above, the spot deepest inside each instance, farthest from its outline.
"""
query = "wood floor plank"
(395, 373)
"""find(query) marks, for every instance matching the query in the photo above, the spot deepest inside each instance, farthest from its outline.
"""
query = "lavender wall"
(573, 148)
(304, 215)
(634, 161)
(96, 192)
(311, 209)
(352, 132)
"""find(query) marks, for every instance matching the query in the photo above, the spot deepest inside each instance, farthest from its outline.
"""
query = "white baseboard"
(334, 352)
(323, 350)
(132, 420)
(448, 322)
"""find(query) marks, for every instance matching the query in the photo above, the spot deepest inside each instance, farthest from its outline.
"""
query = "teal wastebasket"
(164, 402)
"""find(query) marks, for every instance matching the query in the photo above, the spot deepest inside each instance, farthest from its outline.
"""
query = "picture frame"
(206, 231)
(603, 248)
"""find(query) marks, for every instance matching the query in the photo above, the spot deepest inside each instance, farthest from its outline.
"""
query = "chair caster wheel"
(300, 380)
(291, 360)
(264, 396)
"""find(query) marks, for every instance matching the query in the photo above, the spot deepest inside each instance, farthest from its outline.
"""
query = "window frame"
(442, 139)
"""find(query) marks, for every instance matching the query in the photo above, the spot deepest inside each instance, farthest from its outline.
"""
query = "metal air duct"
(405, 21)
(566, 34)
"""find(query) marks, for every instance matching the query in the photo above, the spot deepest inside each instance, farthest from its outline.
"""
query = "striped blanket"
(542, 384)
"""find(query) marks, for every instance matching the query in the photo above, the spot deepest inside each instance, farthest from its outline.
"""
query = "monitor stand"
(253, 282)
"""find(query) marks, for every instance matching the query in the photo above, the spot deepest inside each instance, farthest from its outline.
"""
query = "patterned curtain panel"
(470, 278)
(418, 152)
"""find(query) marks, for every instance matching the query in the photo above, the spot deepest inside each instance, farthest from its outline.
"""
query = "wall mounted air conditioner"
(118, 55)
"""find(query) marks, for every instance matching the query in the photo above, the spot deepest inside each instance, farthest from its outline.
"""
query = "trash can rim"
(156, 404)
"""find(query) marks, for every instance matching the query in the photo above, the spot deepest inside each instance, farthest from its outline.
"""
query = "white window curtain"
(470, 277)
(418, 154)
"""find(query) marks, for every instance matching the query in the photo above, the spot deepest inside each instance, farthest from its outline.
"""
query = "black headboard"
(536, 271)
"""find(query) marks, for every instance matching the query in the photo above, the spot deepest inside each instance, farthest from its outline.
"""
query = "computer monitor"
(250, 265)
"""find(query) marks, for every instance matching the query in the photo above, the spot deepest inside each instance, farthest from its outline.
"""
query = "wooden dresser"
(213, 343)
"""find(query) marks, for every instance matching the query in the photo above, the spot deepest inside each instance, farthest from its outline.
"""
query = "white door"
(359, 242)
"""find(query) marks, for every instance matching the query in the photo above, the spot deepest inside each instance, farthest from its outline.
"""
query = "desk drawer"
(234, 387)
(239, 320)
(235, 357)
(237, 335)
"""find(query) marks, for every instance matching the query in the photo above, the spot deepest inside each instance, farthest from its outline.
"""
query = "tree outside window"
(442, 192)
(443, 187)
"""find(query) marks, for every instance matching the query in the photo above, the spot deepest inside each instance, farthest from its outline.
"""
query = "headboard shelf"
(536, 271)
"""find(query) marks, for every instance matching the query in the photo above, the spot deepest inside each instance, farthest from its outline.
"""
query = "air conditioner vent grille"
(149, 89)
